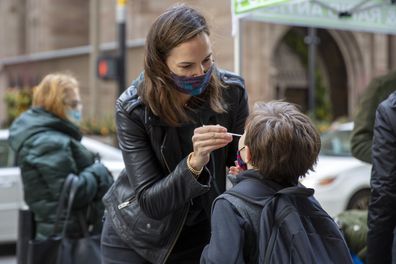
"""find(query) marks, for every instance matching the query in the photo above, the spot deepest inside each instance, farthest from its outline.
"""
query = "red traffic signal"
(106, 68)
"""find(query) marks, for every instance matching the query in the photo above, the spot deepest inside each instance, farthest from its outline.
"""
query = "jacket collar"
(37, 120)
(257, 176)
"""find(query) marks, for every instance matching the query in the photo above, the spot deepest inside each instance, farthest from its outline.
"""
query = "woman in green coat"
(46, 139)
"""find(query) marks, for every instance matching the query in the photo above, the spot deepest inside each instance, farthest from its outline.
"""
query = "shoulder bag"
(60, 249)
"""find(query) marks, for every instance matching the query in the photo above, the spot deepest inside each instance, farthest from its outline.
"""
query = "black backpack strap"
(297, 190)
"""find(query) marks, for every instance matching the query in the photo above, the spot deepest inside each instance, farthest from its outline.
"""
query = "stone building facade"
(42, 36)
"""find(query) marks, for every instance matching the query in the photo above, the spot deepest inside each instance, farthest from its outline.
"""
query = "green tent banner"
(371, 16)
(242, 6)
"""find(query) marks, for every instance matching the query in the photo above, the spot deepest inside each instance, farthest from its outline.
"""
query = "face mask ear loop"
(241, 163)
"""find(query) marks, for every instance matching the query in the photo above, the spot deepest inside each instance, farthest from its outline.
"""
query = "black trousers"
(187, 250)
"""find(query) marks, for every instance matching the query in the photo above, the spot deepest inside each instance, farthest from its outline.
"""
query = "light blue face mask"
(74, 116)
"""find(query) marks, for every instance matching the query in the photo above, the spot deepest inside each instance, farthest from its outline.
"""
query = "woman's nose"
(200, 70)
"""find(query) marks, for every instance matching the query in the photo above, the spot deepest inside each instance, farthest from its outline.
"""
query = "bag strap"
(62, 201)
(297, 191)
(72, 194)
(71, 183)
(83, 224)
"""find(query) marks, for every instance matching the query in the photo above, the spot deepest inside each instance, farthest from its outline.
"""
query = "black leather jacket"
(148, 204)
(382, 207)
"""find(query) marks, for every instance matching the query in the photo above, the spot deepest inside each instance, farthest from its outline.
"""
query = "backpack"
(293, 226)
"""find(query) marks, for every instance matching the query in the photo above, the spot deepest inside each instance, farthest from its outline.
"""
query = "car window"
(6, 155)
(336, 143)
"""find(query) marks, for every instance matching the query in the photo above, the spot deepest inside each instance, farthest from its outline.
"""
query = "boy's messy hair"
(283, 142)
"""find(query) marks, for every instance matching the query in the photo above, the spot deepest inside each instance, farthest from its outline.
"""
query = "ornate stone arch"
(352, 57)
(354, 61)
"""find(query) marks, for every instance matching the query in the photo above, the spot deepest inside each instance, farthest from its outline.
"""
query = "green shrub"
(102, 127)
(17, 101)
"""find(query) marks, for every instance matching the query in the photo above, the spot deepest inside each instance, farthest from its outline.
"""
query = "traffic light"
(106, 68)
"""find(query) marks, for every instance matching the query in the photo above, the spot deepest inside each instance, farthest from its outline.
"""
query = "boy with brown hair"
(268, 217)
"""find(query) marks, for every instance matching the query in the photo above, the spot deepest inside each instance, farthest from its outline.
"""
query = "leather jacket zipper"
(177, 235)
(163, 157)
(126, 203)
(162, 154)
(185, 214)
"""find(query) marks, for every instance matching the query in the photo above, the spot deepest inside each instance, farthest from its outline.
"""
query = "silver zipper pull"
(124, 204)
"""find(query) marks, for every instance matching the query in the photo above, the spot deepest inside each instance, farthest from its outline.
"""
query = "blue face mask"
(74, 116)
(193, 85)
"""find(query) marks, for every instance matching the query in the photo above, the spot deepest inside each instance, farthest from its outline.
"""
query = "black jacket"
(382, 207)
(149, 202)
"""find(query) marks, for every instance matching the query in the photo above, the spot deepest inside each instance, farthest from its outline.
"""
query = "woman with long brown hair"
(173, 127)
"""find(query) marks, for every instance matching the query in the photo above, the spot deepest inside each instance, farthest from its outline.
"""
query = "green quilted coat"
(48, 149)
(362, 135)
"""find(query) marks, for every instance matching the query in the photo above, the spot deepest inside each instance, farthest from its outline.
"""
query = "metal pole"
(121, 56)
(94, 35)
(238, 48)
(312, 41)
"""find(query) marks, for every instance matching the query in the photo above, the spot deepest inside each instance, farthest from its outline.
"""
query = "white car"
(340, 181)
(11, 192)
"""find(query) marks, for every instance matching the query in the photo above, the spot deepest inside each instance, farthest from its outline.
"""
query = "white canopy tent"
(377, 16)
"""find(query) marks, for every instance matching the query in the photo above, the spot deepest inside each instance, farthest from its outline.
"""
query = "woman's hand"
(205, 140)
(234, 170)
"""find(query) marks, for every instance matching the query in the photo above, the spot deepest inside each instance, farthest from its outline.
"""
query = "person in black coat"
(382, 206)
(173, 128)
